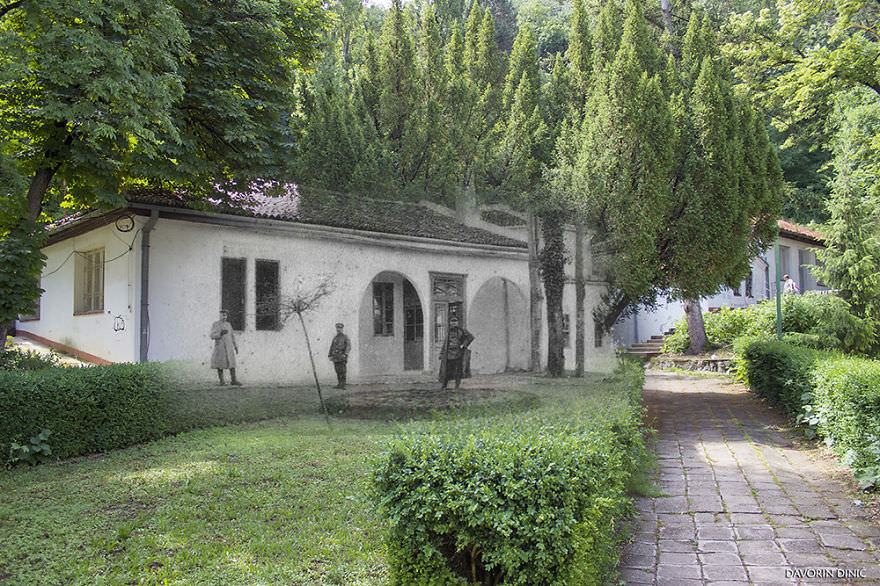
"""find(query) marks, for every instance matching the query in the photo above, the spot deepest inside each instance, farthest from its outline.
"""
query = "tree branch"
(10, 7)
(866, 29)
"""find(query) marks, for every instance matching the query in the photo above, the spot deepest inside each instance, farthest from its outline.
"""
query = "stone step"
(643, 352)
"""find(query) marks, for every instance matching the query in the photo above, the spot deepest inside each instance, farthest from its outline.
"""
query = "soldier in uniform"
(454, 354)
(225, 347)
(339, 349)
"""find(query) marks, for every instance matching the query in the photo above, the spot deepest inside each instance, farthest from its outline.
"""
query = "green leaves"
(797, 58)
(110, 91)
(37, 450)
(89, 409)
(20, 264)
(533, 497)
(673, 172)
(839, 395)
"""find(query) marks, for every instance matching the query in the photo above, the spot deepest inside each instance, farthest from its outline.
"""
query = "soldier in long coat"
(225, 347)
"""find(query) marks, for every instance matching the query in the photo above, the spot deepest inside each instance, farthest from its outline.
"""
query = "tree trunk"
(314, 370)
(696, 329)
(37, 192)
(615, 305)
(536, 297)
(666, 8)
(4, 328)
(580, 295)
(553, 274)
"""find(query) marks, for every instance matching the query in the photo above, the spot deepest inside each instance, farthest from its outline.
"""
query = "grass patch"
(273, 502)
(278, 501)
(642, 482)
(696, 373)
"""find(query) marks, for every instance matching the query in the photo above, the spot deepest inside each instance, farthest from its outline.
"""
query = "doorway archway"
(391, 326)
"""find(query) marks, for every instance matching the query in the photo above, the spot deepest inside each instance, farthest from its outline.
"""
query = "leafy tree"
(549, 21)
(673, 171)
(522, 67)
(95, 94)
(339, 148)
(797, 57)
(580, 48)
(851, 261)
(448, 14)
(20, 264)
(398, 83)
(504, 27)
(814, 65)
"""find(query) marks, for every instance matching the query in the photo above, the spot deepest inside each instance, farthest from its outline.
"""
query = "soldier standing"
(339, 349)
(455, 352)
(225, 347)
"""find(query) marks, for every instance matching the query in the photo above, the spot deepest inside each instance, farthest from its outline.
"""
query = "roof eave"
(320, 230)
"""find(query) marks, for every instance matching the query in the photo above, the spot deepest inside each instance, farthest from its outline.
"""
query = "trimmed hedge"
(811, 320)
(529, 498)
(777, 371)
(88, 410)
(21, 359)
(838, 395)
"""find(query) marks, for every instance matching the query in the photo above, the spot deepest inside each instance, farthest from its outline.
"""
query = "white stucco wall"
(646, 323)
(110, 334)
(186, 259)
(185, 294)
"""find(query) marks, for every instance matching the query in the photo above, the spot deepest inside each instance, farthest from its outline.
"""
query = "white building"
(146, 281)
(797, 246)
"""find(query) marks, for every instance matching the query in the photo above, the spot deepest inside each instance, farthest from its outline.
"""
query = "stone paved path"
(741, 504)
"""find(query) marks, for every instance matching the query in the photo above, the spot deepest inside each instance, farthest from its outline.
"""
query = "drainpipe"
(145, 284)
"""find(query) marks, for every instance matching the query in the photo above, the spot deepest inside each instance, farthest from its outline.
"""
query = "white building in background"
(145, 282)
(797, 246)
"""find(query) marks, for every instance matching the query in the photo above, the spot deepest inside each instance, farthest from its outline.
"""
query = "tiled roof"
(501, 218)
(787, 228)
(335, 210)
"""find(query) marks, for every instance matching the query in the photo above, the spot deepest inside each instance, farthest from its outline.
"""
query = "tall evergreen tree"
(851, 261)
(523, 63)
(580, 48)
(677, 178)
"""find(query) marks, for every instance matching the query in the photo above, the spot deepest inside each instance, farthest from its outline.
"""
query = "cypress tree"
(674, 173)
(580, 48)
(523, 64)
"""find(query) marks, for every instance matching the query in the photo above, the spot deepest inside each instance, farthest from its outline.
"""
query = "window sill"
(24, 319)
(96, 312)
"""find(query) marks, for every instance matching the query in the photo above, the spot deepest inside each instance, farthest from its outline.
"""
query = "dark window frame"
(233, 295)
(35, 316)
(267, 291)
(88, 270)
(383, 308)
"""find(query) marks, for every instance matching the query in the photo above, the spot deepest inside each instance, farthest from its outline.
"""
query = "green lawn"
(282, 501)
(274, 502)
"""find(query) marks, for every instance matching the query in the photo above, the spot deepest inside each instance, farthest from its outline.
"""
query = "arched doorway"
(413, 329)
(498, 318)
(391, 326)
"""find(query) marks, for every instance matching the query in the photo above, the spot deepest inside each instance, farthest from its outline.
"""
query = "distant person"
(789, 285)
(225, 348)
(455, 356)
(339, 349)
